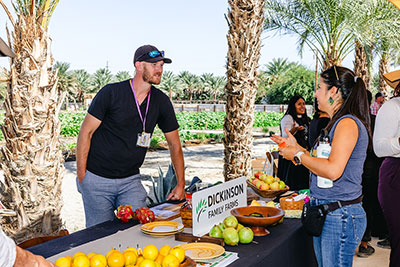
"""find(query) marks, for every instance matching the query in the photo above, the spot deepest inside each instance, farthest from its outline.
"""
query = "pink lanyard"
(138, 107)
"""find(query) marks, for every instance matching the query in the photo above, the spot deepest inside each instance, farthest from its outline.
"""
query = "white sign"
(211, 206)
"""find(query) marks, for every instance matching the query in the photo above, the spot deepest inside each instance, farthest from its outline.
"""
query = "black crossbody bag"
(313, 217)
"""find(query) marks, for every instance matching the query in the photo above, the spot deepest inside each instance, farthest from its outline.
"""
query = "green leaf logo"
(201, 207)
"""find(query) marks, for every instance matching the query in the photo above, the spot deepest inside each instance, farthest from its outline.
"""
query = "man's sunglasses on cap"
(152, 54)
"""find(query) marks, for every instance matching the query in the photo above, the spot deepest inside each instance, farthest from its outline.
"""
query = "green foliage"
(296, 80)
(122, 76)
(323, 26)
(101, 78)
(71, 123)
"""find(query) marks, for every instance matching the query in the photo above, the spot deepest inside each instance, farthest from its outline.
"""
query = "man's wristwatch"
(297, 157)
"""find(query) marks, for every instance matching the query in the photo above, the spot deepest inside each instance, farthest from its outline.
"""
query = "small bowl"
(270, 216)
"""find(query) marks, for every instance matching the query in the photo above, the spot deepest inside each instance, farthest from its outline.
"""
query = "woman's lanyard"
(143, 138)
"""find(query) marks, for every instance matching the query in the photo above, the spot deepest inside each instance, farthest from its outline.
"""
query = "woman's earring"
(331, 100)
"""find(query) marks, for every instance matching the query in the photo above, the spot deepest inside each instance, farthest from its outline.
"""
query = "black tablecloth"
(287, 245)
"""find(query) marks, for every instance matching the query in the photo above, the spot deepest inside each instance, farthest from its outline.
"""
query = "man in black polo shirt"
(115, 136)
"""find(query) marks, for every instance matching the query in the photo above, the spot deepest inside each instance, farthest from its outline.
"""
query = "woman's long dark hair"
(304, 119)
(353, 92)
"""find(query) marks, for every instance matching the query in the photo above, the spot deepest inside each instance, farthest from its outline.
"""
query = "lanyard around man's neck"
(138, 107)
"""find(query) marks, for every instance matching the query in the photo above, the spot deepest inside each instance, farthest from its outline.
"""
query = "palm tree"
(321, 25)
(387, 42)
(375, 26)
(190, 82)
(101, 78)
(169, 83)
(245, 19)
(83, 81)
(66, 80)
(215, 84)
(277, 67)
(33, 163)
(122, 76)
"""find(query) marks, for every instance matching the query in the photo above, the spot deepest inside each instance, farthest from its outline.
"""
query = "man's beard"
(149, 78)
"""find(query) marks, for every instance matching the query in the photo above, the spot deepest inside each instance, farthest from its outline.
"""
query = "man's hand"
(178, 193)
(24, 258)
(81, 174)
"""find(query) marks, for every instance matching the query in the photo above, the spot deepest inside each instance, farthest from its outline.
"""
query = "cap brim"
(392, 78)
(156, 59)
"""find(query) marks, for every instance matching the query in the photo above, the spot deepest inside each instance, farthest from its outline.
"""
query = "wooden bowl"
(188, 262)
(257, 224)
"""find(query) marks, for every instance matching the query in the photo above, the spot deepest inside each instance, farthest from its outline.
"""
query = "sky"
(95, 34)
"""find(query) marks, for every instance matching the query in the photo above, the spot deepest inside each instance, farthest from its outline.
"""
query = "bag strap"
(338, 204)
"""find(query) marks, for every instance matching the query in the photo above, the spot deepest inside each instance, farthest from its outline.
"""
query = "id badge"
(143, 139)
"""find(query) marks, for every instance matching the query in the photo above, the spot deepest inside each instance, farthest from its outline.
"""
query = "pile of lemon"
(150, 256)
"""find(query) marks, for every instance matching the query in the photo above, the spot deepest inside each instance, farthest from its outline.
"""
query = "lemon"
(271, 204)
(78, 254)
(159, 258)
(90, 255)
(170, 261)
(255, 203)
(98, 260)
(63, 262)
(139, 260)
(116, 259)
(179, 253)
(150, 252)
(147, 263)
(110, 252)
(132, 249)
(81, 261)
(130, 257)
(164, 250)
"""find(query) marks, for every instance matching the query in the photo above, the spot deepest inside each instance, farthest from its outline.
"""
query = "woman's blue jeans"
(342, 232)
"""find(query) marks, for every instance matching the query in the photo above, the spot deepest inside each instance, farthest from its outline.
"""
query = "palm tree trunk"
(331, 58)
(361, 64)
(384, 65)
(245, 19)
(33, 163)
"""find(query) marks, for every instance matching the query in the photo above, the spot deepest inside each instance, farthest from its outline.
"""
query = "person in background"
(376, 224)
(343, 96)
(318, 122)
(115, 135)
(297, 122)
(12, 255)
(379, 100)
(386, 142)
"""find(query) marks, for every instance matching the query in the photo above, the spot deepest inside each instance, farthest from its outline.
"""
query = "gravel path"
(204, 161)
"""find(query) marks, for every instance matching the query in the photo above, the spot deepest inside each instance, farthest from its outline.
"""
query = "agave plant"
(163, 185)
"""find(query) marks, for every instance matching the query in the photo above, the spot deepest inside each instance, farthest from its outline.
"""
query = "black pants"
(376, 224)
(296, 177)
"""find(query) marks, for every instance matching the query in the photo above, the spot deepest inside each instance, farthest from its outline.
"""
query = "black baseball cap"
(379, 94)
(143, 53)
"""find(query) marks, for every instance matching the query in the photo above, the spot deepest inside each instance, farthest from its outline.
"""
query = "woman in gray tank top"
(343, 96)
